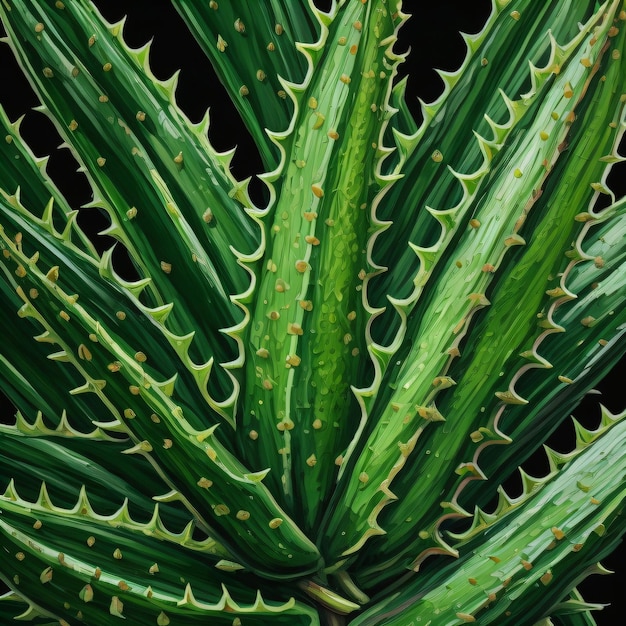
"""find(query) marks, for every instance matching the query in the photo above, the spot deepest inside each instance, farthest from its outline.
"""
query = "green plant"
(313, 391)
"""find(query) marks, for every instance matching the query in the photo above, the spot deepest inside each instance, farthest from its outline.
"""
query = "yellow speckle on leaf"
(546, 578)
(558, 533)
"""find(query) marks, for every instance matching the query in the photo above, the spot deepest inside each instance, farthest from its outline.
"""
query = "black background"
(432, 34)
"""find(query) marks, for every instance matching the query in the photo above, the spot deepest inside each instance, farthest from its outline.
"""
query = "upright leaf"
(253, 48)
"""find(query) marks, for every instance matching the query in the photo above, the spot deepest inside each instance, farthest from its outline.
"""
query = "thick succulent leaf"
(539, 362)
(215, 483)
(21, 169)
(550, 541)
(38, 239)
(170, 196)
(43, 506)
(253, 48)
(308, 328)
(448, 223)
(148, 368)
(28, 460)
(80, 568)
(580, 356)
(461, 290)
(49, 394)
(460, 129)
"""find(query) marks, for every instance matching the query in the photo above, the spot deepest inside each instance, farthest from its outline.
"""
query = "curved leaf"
(253, 48)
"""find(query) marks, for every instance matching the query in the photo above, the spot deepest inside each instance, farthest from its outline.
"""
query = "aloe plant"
(295, 406)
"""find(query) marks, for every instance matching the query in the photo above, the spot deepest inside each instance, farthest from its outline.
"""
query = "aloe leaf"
(42, 507)
(50, 394)
(105, 569)
(474, 104)
(306, 333)
(21, 169)
(577, 365)
(253, 49)
(90, 364)
(139, 404)
(414, 311)
(554, 540)
(28, 459)
(174, 204)
(38, 240)
(479, 257)
(483, 408)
